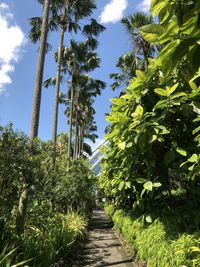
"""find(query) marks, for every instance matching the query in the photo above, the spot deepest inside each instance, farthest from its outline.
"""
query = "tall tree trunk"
(22, 210)
(79, 142)
(23, 200)
(70, 123)
(39, 73)
(82, 142)
(56, 102)
(146, 62)
(76, 138)
(145, 53)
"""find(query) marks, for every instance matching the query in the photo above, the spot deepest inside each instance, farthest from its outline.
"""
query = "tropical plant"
(137, 58)
(78, 60)
(35, 110)
(39, 72)
(154, 137)
(142, 46)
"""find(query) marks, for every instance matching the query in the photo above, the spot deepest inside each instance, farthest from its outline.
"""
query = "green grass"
(160, 243)
(46, 240)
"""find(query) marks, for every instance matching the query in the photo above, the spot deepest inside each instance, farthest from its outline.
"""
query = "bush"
(109, 210)
(155, 244)
(52, 227)
(54, 238)
(75, 189)
(47, 245)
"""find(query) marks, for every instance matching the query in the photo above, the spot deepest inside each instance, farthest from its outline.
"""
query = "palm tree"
(137, 58)
(63, 25)
(39, 73)
(132, 25)
(72, 13)
(78, 58)
(83, 116)
(23, 201)
(128, 63)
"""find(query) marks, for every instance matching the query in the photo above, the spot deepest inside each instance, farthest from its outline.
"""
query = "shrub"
(155, 244)
(46, 245)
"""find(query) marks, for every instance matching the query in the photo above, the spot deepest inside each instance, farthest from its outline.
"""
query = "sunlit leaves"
(181, 151)
(158, 5)
(162, 114)
(138, 112)
(152, 32)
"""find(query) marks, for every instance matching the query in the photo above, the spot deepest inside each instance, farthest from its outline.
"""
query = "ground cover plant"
(158, 242)
(152, 161)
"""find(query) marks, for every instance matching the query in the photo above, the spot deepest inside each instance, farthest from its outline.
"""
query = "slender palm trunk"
(145, 53)
(79, 142)
(23, 200)
(39, 73)
(70, 124)
(82, 142)
(76, 139)
(56, 103)
(146, 62)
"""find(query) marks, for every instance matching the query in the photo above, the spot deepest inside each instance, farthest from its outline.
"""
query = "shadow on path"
(102, 248)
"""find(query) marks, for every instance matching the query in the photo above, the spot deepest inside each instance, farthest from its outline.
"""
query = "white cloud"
(145, 5)
(12, 40)
(4, 6)
(113, 11)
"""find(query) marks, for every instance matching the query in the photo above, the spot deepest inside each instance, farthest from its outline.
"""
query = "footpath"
(103, 247)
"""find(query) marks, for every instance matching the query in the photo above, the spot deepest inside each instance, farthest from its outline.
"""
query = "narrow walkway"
(103, 248)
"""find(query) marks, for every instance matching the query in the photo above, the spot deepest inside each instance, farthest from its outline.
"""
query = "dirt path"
(103, 247)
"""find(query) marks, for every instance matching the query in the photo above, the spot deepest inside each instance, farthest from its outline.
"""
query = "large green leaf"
(157, 6)
(122, 145)
(196, 130)
(181, 151)
(140, 75)
(153, 138)
(152, 32)
(121, 185)
(193, 86)
(157, 184)
(148, 219)
(193, 158)
(160, 91)
(148, 186)
(189, 25)
(173, 88)
(196, 107)
(140, 180)
(170, 33)
(138, 112)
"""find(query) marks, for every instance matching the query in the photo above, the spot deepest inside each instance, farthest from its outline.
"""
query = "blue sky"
(18, 62)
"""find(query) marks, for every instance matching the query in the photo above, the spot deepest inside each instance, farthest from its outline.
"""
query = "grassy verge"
(158, 241)
(46, 241)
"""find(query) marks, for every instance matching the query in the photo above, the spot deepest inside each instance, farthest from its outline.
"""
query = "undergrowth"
(45, 242)
(158, 241)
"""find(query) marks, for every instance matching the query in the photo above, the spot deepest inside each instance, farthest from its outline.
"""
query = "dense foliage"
(47, 188)
(159, 243)
(60, 200)
(154, 137)
(152, 161)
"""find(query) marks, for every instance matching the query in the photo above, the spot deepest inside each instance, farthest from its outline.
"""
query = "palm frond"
(93, 29)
